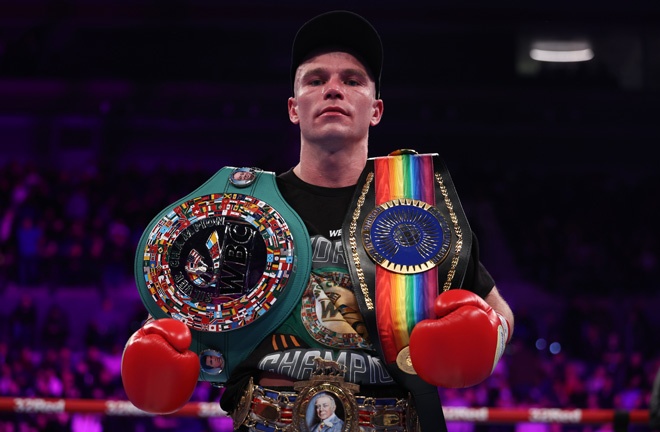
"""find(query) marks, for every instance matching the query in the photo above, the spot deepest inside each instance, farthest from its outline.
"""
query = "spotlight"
(555, 348)
(557, 51)
(541, 344)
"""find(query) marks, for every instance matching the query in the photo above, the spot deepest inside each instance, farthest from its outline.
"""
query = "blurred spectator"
(85, 422)
(30, 240)
(77, 204)
(104, 328)
(75, 252)
(23, 322)
(638, 333)
(55, 329)
(118, 245)
(47, 383)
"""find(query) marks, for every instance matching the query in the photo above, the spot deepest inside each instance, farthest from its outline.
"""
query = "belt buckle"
(388, 418)
(327, 387)
(240, 414)
(266, 411)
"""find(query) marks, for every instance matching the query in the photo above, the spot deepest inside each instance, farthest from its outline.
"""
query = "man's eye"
(316, 82)
(352, 82)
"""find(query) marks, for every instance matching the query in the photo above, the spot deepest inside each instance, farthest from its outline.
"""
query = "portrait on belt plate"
(326, 403)
(212, 361)
(325, 413)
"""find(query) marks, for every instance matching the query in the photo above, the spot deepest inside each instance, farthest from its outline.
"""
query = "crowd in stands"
(60, 228)
(64, 228)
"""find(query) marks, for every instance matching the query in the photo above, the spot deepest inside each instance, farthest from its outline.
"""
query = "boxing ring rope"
(97, 406)
(620, 418)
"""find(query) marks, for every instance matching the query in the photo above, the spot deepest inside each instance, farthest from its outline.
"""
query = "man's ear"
(293, 110)
(377, 113)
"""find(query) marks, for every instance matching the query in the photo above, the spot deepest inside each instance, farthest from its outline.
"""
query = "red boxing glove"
(158, 371)
(462, 347)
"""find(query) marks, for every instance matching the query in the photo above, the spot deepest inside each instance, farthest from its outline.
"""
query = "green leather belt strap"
(220, 259)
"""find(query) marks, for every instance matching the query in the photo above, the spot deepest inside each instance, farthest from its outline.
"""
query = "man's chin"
(335, 138)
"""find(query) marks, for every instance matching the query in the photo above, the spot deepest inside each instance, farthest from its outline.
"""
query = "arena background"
(110, 111)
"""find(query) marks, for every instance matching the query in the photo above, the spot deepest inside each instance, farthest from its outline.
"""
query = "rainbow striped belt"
(414, 233)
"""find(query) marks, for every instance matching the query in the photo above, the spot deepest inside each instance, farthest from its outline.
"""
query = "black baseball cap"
(342, 29)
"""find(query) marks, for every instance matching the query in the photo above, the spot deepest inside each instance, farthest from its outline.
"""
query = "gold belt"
(263, 409)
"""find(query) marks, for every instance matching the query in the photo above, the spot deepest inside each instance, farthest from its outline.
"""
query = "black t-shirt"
(327, 321)
(323, 211)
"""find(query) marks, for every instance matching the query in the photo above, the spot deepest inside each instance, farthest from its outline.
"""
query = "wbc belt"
(220, 260)
(407, 240)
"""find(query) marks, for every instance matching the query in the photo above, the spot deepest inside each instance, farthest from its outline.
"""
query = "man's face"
(325, 407)
(213, 361)
(334, 99)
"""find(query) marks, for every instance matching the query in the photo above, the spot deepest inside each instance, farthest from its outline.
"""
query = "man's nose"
(333, 90)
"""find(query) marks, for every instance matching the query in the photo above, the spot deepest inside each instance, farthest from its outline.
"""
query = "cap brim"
(342, 29)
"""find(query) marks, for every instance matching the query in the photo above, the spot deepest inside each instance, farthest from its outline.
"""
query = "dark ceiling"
(456, 72)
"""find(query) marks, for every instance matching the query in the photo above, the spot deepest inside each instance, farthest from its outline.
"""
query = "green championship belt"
(222, 258)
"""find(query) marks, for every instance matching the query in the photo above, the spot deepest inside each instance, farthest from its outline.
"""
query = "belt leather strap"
(363, 269)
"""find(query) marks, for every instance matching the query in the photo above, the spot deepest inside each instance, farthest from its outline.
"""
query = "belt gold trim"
(263, 409)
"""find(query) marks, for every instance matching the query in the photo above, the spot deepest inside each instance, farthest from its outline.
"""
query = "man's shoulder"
(337, 421)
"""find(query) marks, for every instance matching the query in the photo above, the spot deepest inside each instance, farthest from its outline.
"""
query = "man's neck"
(333, 169)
